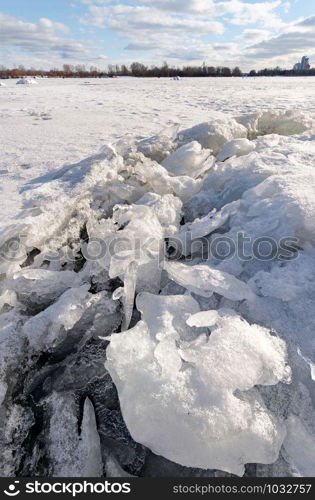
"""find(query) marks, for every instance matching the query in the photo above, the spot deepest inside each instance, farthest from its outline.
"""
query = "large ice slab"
(193, 402)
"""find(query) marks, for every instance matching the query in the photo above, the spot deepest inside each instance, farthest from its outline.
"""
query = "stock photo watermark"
(179, 247)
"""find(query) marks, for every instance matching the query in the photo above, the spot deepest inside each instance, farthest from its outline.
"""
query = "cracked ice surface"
(212, 356)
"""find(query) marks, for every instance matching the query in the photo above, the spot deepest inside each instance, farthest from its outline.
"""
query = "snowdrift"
(27, 81)
(212, 352)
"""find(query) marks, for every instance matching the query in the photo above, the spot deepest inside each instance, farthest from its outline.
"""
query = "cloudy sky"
(248, 33)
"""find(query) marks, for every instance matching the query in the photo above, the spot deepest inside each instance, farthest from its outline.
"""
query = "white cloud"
(182, 6)
(147, 28)
(170, 27)
(43, 42)
(294, 40)
(254, 35)
(261, 12)
(239, 12)
(123, 17)
(225, 47)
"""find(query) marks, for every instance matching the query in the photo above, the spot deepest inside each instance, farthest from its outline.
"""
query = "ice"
(167, 208)
(12, 253)
(113, 469)
(296, 274)
(3, 391)
(90, 446)
(300, 447)
(157, 179)
(310, 363)
(293, 206)
(137, 247)
(7, 298)
(167, 315)
(14, 431)
(77, 313)
(73, 454)
(190, 160)
(49, 327)
(187, 391)
(288, 308)
(106, 252)
(27, 81)
(202, 227)
(276, 122)
(130, 280)
(12, 342)
(203, 318)
(204, 280)
(142, 231)
(158, 146)
(237, 147)
(102, 315)
(40, 287)
(212, 135)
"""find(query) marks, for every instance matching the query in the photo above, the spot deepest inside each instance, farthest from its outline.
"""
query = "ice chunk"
(167, 208)
(212, 135)
(130, 281)
(310, 364)
(12, 341)
(203, 227)
(12, 248)
(158, 146)
(298, 274)
(157, 179)
(71, 454)
(194, 412)
(113, 469)
(39, 287)
(102, 315)
(49, 327)
(137, 347)
(8, 297)
(204, 280)
(291, 198)
(141, 240)
(89, 449)
(203, 318)
(190, 160)
(167, 315)
(237, 147)
(15, 429)
(276, 122)
(3, 391)
(299, 445)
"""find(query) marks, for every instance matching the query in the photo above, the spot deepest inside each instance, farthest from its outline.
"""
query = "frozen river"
(121, 314)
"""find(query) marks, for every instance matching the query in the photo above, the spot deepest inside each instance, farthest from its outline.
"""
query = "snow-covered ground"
(60, 122)
(167, 227)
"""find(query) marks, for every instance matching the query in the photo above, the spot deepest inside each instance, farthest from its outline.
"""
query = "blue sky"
(248, 33)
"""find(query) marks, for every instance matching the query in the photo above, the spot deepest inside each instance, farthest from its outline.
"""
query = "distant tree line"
(282, 72)
(139, 70)
(135, 69)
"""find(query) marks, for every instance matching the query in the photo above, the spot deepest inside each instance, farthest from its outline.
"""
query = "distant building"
(303, 65)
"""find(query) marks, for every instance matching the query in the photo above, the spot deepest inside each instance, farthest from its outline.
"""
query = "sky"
(248, 33)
